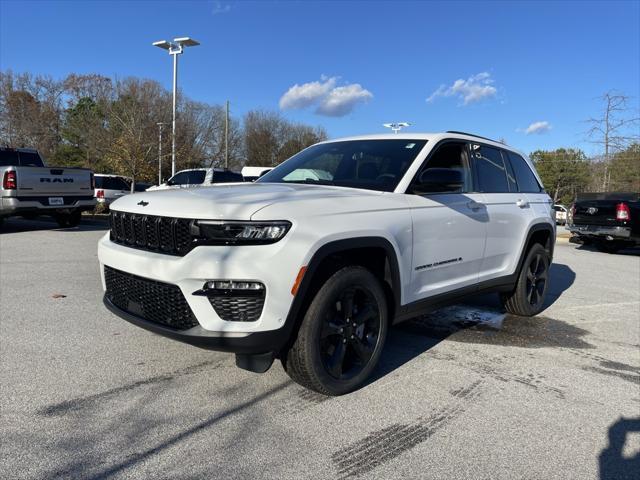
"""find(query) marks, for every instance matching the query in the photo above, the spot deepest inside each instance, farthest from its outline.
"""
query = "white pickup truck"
(29, 188)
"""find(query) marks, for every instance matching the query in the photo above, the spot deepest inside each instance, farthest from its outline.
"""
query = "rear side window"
(227, 177)
(527, 181)
(9, 158)
(492, 175)
(196, 177)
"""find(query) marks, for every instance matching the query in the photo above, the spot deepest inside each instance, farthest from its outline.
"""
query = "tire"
(330, 355)
(68, 220)
(528, 297)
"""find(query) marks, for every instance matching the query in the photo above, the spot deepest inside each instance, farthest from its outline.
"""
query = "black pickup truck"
(610, 221)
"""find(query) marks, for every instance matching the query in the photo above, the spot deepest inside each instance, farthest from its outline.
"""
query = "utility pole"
(226, 138)
(160, 125)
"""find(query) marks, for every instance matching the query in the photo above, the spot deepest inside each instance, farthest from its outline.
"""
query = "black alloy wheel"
(350, 333)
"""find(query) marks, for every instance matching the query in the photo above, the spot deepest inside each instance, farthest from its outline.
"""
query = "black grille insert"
(154, 233)
(238, 307)
(151, 300)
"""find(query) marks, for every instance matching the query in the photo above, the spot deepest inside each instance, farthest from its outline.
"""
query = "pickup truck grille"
(171, 236)
(151, 300)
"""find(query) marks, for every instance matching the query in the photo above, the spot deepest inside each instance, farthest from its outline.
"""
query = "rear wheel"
(528, 297)
(342, 334)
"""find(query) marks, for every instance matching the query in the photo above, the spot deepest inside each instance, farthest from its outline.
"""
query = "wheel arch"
(333, 255)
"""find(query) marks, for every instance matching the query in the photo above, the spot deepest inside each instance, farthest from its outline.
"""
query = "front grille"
(151, 300)
(148, 232)
(238, 308)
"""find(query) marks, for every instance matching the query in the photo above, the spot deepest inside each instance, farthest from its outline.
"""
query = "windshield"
(367, 164)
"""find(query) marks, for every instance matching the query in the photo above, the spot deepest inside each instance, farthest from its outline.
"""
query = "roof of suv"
(433, 137)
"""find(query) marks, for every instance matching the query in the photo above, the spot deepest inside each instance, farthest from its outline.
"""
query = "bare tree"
(615, 130)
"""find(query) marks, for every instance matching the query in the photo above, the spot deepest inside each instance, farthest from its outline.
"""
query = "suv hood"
(237, 201)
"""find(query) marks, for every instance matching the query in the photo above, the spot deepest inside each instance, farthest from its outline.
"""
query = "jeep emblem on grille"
(592, 210)
(143, 203)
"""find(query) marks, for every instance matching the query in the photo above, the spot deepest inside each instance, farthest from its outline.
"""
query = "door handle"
(522, 203)
(473, 205)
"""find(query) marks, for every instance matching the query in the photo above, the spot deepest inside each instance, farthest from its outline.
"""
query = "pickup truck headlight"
(223, 232)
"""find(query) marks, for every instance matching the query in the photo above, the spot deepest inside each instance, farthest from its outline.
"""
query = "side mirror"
(439, 180)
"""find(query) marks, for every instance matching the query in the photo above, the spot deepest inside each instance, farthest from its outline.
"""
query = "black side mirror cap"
(439, 180)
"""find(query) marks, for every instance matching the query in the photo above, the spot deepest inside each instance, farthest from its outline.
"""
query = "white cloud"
(219, 8)
(342, 100)
(473, 89)
(538, 128)
(330, 100)
(307, 94)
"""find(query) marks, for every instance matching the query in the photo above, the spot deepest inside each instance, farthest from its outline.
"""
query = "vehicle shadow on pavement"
(18, 225)
(633, 251)
(481, 319)
(613, 462)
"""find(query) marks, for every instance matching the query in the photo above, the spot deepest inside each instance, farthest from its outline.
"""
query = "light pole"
(160, 125)
(397, 126)
(175, 48)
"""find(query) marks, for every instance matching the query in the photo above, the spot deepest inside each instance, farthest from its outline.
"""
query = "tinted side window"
(115, 183)
(196, 177)
(527, 182)
(492, 176)
(226, 177)
(181, 178)
(453, 156)
(9, 158)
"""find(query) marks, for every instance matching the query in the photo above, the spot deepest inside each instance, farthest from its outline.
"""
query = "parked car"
(29, 188)
(111, 187)
(560, 214)
(199, 177)
(251, 174)
(314, 261)
(609, 221)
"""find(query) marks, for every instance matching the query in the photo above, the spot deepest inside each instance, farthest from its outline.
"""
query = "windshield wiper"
(310, 181)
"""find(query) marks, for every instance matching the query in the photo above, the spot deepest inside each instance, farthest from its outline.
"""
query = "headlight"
(222, 232)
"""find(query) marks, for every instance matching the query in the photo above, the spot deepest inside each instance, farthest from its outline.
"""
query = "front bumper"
(601, 231)
(275, 266)
(242, 343)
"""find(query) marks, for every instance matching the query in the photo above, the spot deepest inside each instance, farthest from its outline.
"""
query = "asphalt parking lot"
(464, 393)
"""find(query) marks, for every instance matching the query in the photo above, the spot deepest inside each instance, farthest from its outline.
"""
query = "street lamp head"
(186, 41)
(162, 44)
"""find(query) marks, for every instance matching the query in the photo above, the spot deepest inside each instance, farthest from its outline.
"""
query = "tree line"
(615, 131)
(111, 126)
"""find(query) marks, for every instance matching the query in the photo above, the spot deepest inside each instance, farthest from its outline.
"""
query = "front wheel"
(342, 334)
(528, 297)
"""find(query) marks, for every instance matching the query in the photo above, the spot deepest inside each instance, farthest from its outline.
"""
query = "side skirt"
(421, 307)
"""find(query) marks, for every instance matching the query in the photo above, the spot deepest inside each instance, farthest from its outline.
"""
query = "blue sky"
(493, 68)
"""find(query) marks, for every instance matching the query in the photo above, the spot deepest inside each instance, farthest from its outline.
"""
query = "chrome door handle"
(473, 205)
(522, 203)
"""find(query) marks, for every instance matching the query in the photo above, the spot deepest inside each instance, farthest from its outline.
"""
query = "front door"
(449, 228)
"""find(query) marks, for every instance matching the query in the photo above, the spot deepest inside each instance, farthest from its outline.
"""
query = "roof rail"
(473, 135)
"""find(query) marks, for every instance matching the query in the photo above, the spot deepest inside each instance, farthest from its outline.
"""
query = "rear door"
(449, 229)
(509, 211)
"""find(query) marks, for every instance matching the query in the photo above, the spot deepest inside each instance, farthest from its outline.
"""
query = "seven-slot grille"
(151, 300)
(167, 235)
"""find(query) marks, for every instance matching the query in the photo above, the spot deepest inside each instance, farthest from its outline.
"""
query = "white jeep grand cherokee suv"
(314, 261)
